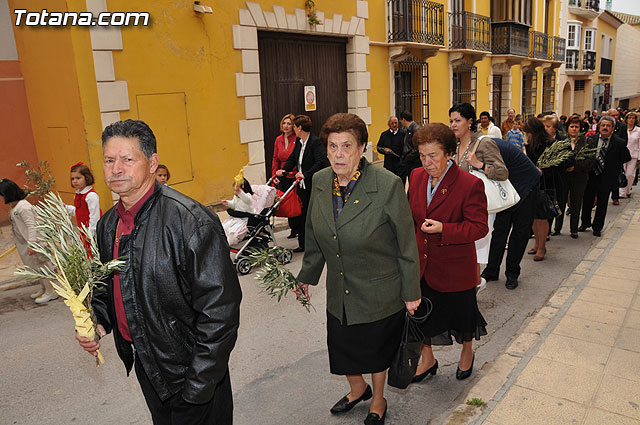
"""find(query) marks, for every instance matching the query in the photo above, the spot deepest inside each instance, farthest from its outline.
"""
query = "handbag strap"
(422, 319)
(475, 147)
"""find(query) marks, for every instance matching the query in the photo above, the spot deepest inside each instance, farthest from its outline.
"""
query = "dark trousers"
(562, 195)
(301, 220)
(572, 190)
(596, 187)
(615, 194)
(176, 411)
(517, 219)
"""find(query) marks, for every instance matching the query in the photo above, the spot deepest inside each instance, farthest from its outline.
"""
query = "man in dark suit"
(390, 145)
(619, 130)
(410, 158)
(525, 177)
(310, 157)
(603, 179)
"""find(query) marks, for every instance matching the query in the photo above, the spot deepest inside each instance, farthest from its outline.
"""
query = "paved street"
(279, 368)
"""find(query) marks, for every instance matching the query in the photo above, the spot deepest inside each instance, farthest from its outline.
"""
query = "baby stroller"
(260, 230)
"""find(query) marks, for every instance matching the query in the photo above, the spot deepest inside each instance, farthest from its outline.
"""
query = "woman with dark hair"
(539, 140)
(574, 180)
(23, 223)
(282, 149)
(449, 210)
(359, 224)
(476, 152)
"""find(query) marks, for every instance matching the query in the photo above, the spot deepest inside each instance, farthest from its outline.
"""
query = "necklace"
(464, 155)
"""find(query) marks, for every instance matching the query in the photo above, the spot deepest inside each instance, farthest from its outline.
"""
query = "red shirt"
(124, 227)
(280, 154)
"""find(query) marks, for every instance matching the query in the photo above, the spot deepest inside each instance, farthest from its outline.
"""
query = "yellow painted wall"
(381, 91)
(56, 80)
(439, 88)
(516, 88)
(483, 85)
(605, 28)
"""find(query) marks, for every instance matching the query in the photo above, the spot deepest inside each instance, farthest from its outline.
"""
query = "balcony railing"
(580, 60)
(509, 38)
(605, 66)
(538, 45)
(469, 31)
(559, 47)
(586, 4)
(417, 21)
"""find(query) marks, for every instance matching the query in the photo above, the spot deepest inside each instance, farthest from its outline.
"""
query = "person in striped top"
(515, 135)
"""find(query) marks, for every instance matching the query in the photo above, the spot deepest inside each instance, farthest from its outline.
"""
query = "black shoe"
(556, 233)
(299, 249)
(488, 278)
(431, 371)
(597, 233)
(374, 418)
(574, 235)
(344, 405)
(583, 228)
(292, 235)
(511, 283)
(568, 211)
(464, 374)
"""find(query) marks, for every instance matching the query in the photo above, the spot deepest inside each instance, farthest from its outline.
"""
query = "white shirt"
(93, 202)
(304, 145)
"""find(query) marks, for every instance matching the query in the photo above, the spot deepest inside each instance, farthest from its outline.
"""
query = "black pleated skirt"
(455, 315)
(363, 348)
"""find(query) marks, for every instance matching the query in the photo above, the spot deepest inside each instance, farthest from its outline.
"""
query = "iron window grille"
(412, 88)
(548, 91)
(529, 92)
(418, 21)
(464, 84)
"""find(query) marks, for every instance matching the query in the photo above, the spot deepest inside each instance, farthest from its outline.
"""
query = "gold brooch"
(356, 201)
(444, 191)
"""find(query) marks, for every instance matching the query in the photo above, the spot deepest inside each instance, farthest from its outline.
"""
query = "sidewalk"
(578, 360)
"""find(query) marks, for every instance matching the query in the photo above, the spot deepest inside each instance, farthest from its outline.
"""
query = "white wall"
(626, 69)
(8, 50)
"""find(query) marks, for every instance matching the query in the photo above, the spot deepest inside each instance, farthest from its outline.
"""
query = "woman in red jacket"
(282, 149)
(449, 210)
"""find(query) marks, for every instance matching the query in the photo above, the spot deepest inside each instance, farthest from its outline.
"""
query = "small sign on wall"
(309, 98)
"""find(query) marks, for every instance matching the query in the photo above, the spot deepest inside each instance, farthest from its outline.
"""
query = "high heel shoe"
(464, 374)
(431, 371)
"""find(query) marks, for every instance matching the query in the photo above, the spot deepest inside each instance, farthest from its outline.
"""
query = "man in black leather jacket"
(174, 309)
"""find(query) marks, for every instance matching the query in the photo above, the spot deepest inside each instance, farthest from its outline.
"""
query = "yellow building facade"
(213, 86)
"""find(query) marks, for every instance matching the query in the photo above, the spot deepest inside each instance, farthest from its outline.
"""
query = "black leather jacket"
(180, 291)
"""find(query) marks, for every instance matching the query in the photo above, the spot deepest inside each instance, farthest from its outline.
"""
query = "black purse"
(404, 364)
(622, 179)
(550, 203)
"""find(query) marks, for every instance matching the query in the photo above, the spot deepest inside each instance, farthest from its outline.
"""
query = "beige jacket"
(23, 223)
(488, 153)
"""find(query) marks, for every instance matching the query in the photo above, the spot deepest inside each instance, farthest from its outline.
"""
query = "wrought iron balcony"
(579, 61)
(605, 66)
(509, 38)
(559, 47)
(538, 45)
(587, 9)
(469, 31)
(417, 21)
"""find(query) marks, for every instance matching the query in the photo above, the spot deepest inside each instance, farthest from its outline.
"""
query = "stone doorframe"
(504, 70)
(245, 39)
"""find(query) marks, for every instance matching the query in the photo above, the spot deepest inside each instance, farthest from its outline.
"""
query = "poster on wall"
(309, 98)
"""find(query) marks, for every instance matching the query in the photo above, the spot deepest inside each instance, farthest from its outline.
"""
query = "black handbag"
(550, 204)
(622, 179)
(405, 362)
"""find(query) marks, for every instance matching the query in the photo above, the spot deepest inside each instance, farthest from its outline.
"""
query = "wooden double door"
(288, 63)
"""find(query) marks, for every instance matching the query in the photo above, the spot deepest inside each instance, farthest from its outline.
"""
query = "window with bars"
(579, 86)
(548, 91)
(529, 92)
(412, 88)
(464, 84)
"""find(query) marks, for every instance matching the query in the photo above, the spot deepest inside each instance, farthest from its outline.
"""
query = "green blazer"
(370, 251)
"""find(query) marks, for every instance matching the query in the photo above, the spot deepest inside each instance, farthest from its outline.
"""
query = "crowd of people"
(387, 248)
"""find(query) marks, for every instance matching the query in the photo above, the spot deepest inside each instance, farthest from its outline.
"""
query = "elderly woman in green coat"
(359, 224)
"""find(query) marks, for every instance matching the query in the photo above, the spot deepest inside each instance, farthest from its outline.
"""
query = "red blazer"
(448, 259)
(280, 155)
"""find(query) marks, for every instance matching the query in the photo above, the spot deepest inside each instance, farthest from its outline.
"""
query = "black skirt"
(454, 314)
(363, 348)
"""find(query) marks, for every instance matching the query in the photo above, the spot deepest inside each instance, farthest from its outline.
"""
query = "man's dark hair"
(133, 129)
(303, 121)
(406, 115)
(485, 114)
(345, 123)
(10, 191)
(467, 111)
(587, 113)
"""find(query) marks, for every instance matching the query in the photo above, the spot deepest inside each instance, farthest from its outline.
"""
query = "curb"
(495, 379)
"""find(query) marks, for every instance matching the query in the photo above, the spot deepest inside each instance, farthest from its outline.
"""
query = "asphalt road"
(279, 368)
